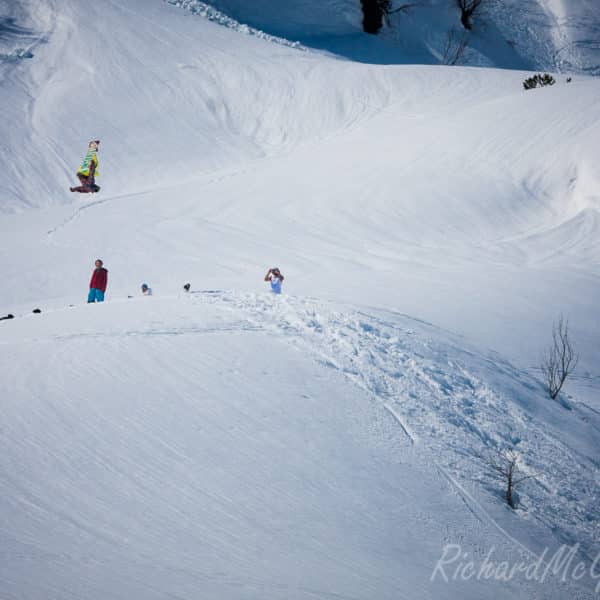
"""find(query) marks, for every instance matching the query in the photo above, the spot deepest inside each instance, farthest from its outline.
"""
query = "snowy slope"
(223, 446)
(474, 188)
(319, 445)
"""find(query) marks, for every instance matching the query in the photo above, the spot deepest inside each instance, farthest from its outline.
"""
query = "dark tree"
(378, 12)
(467, 9)
(372, 15)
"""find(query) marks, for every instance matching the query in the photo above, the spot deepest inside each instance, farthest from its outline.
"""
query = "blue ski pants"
(95, 295)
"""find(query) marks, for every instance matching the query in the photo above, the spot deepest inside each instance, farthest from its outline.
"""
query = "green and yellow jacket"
(89, 164)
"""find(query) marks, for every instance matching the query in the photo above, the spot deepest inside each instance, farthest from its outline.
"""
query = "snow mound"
(221, 442)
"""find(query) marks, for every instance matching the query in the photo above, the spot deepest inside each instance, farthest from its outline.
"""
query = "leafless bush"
(560, 359)
(389, 9)
(455, 46)
(467, 9)
(505, 465)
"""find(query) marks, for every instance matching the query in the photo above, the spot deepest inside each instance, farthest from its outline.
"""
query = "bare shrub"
(467, 9)
(388, 9)
(560, 359)
(505, 465)
(455, 46)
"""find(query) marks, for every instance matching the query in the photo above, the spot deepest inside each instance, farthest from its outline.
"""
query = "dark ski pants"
(87, 184)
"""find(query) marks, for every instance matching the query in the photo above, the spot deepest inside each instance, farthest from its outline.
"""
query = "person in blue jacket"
(275, 278)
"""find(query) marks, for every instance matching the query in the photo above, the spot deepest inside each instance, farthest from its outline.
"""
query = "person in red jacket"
(98, 283)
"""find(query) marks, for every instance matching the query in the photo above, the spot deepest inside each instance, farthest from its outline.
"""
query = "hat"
(144, 286)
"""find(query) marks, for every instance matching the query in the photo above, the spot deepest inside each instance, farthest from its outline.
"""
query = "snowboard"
(93, 189)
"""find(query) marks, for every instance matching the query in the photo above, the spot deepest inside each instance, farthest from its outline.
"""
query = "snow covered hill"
(432, 222)
(239, 446)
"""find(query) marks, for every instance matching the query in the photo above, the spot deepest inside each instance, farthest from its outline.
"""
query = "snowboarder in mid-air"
(88, 171)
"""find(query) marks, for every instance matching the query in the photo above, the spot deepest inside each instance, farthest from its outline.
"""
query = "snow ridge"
(210, 13)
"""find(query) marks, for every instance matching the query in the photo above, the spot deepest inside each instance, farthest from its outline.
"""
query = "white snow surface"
(431, 222)
(240, 446)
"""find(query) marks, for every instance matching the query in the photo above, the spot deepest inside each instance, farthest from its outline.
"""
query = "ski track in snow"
(233, 327)
(481, 514)
(86, 206)
(400, 422)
